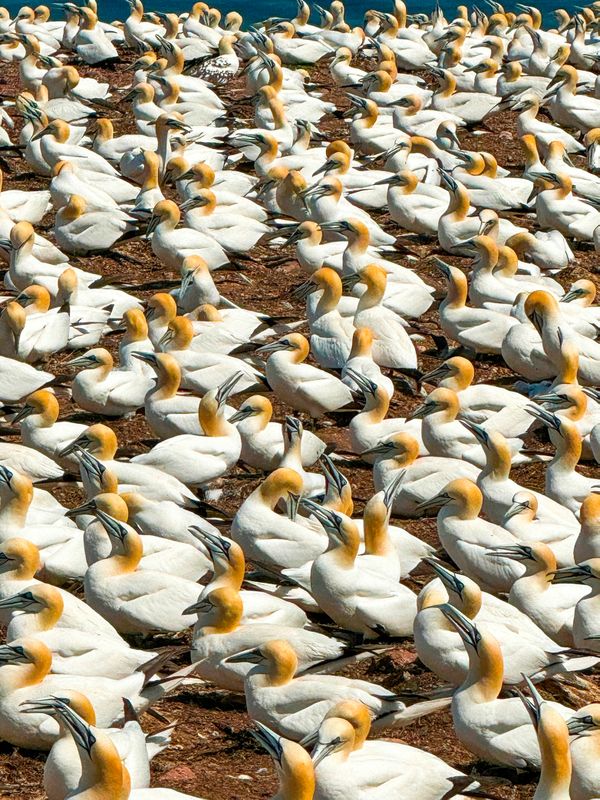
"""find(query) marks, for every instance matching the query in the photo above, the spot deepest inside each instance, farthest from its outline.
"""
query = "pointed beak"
(515, 552)
(549, 419)
(148, 358)
(46, 705)
(241, 414)
(292, 505)
(434, 374)
(227, 387)
(85, 508)
(269, 740)
(81, 361)
(420, 412)
(253, 656)
(22, 414)
(466, 629)
(16, 601)
(576, 574)
(202, 605)
(432, 503)
(478, 432)
(514, 510)
(273, 347)
(321, 751)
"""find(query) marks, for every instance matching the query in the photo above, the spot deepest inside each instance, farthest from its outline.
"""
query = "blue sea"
(256, 10)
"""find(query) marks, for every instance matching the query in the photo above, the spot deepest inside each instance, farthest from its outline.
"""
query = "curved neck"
(568, 448)
(371, 297)
(376, 530)
(555, 778)
(13, 677)
(456, 296)
(330, 297)
(459, 204)
(486, 672)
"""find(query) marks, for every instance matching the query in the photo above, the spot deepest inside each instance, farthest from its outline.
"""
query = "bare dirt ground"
(214, 755)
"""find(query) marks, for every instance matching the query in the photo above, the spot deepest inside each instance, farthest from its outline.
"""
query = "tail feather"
(401, 719)
(159, 741)
(151, 667)
(350, 656)
(461, 784)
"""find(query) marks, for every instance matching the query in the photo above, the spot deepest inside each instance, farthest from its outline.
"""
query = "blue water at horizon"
(256, 10)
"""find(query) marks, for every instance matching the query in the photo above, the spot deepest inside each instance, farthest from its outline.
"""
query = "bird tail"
(408, 715)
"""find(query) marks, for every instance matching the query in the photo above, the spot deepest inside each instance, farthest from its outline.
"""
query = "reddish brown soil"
(214, 755)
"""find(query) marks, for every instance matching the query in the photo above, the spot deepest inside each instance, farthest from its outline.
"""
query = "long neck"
(150, 175)
(280, 673)
(498, 464)
(24, 571)
(293, 453)
(225, 620)
(168, 385)
(163, 149)
(229, 573)
(568, 368)
(126, 562)
(47, 618)
(456, 296)
(47, 417)
(568, 449)
(358, 244)
(555, 778)
(459, 204)
(101, 372)
(277, 110)
(330, 297)
(376, 528)
(103, 774)
(24, 675)
(295, 788)
(214, 424)
(371, 298)
(486, 672)
(376, 408)
(14, 510)
(345, 553)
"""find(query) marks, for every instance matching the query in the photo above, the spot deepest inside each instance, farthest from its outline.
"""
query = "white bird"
(73, 652)
(136, 600)
(347, 763)
(349, 594)
(28, 678)
(263, 440)
(273, 539)
(294, 706)
(497, 729)
(302, 386)
(218, 634)
(62, 770)
(467, 538)
(172, 244)
(102, 389)
(196, 460)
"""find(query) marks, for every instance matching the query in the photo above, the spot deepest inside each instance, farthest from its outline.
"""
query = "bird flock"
(418, 265)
